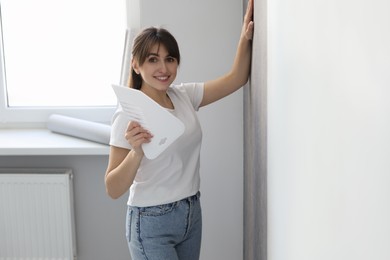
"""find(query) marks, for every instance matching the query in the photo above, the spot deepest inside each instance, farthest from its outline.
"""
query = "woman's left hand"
(238, 75)
(248, 26)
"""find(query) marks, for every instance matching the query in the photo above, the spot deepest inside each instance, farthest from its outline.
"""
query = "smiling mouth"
(162, 78)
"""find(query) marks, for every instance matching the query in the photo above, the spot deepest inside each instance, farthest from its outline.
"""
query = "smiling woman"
(59, 54)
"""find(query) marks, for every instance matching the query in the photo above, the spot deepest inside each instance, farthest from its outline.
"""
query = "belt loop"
(193, 198)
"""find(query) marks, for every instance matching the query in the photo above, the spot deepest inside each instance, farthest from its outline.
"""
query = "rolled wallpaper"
(88, 130)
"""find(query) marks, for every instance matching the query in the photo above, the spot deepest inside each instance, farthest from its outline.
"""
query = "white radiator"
(36, 215)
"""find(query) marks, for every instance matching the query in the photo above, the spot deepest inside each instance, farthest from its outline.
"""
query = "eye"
(171, 59)
(152, 59)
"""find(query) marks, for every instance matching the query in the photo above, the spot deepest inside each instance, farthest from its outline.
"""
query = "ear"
(134, 65)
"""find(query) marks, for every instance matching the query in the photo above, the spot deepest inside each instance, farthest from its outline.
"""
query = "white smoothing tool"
(164, 126)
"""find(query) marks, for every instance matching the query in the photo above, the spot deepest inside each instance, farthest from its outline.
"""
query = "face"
(158, 71)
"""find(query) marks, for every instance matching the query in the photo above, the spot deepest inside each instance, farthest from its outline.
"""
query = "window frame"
(37, 116)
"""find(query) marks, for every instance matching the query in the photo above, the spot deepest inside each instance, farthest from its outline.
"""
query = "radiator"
(36, 215)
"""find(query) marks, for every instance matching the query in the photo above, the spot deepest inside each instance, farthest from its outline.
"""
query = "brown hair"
(142, 45)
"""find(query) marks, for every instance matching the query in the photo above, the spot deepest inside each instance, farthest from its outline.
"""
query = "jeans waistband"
(190, 199)
(193, 197)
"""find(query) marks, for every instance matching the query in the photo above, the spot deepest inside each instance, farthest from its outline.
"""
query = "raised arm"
(239, 73)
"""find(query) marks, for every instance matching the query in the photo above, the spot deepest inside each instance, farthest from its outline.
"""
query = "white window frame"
(37, 116)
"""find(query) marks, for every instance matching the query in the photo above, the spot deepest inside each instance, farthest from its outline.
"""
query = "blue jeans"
(166, 232)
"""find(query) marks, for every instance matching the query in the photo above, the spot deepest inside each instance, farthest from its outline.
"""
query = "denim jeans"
(166, 232)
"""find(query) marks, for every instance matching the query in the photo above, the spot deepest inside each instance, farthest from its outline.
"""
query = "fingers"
(131, 125)
(248, 25)
(249, 31)
(136, 135)
(249, 12)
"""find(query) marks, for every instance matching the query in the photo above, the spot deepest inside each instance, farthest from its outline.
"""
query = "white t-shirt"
(174, 174)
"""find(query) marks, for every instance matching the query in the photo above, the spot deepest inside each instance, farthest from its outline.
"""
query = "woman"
(164, 214)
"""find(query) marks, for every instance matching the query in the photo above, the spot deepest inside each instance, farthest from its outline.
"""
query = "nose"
(163, 67)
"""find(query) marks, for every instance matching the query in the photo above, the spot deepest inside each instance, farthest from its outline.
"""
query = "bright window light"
(62, 52)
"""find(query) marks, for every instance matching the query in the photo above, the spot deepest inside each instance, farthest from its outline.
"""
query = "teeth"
(162, 78)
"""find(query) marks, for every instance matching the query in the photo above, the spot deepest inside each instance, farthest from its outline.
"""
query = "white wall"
(329, 130)
(207, 33)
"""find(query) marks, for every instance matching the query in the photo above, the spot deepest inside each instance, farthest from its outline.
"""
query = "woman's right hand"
(136, 135)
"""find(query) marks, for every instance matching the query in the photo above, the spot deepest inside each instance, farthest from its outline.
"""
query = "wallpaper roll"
(79, 128)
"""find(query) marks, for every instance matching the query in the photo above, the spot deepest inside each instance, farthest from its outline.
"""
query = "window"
(60, 56)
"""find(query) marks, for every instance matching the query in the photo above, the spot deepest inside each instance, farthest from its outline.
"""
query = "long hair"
(142, 45)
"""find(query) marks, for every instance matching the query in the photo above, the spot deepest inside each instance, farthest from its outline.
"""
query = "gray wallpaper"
(255, 141)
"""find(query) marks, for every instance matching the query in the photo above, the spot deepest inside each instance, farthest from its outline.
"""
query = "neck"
(160, 96)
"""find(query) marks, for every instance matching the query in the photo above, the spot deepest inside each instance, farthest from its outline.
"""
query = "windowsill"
(44, 142)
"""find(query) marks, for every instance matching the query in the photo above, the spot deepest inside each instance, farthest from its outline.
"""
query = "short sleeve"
(194, 92)
(118, 130)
